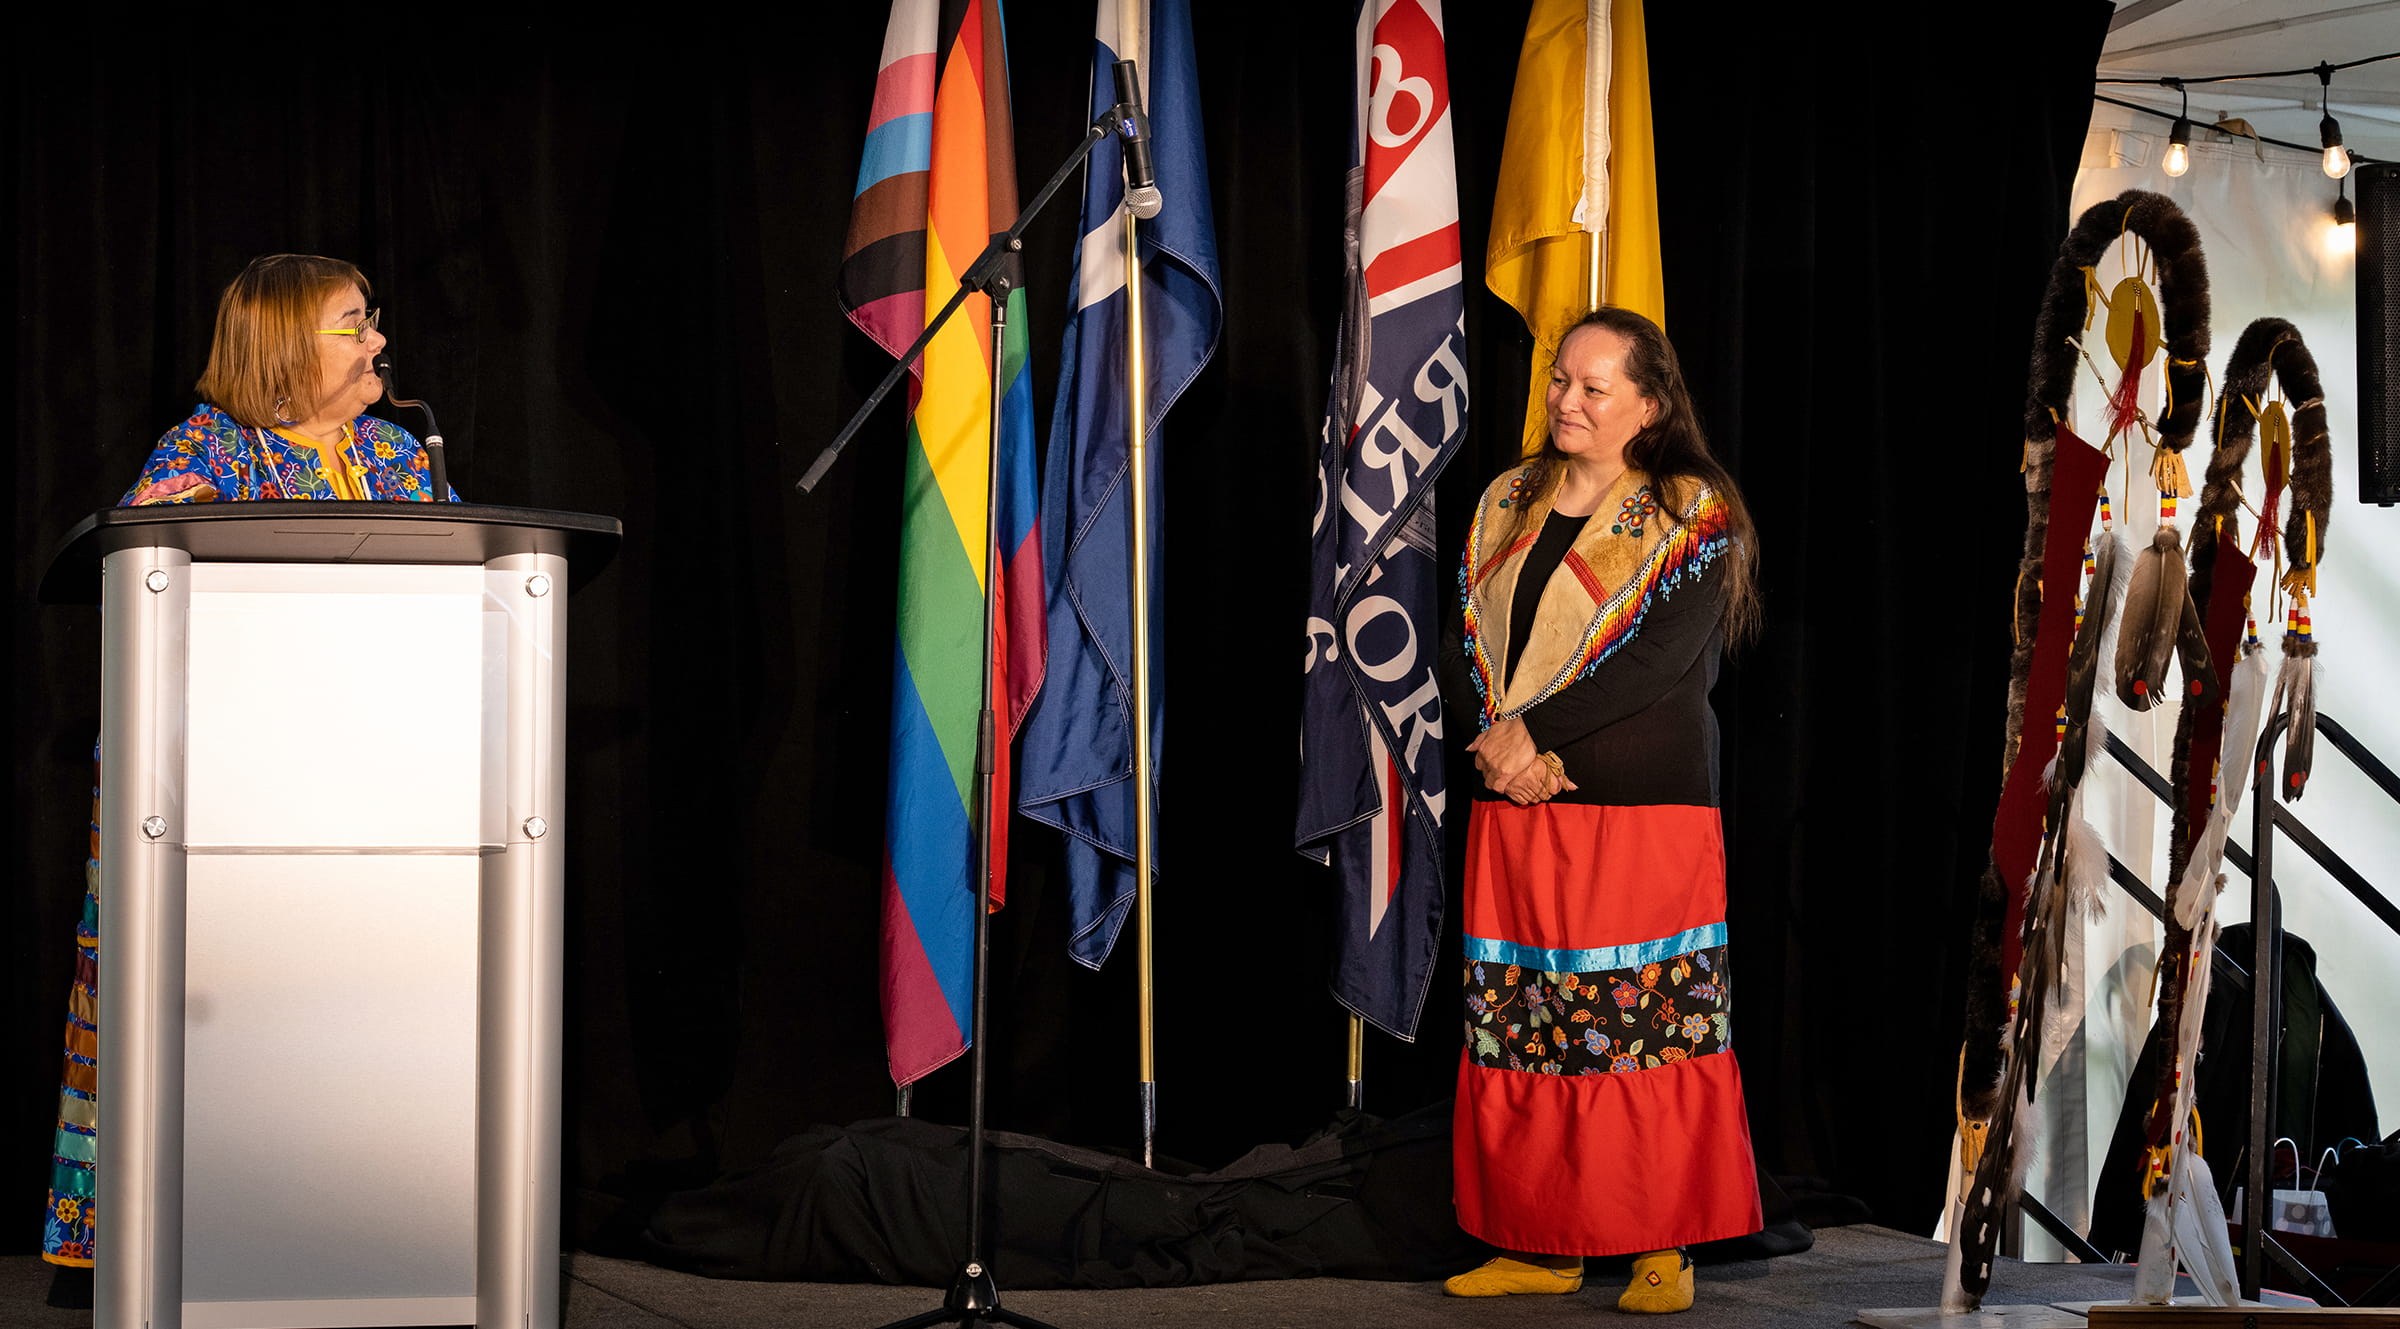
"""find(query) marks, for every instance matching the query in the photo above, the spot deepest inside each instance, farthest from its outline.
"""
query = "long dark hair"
(1673, 448)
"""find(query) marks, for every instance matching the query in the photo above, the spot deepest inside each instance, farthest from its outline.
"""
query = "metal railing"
(2269, 816)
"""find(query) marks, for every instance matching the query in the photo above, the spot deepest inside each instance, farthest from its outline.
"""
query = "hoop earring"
(280, 417)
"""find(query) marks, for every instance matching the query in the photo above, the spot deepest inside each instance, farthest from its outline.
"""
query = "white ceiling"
(2148, 39)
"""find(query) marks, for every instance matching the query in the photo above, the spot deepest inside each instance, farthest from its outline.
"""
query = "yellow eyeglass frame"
(358, 333)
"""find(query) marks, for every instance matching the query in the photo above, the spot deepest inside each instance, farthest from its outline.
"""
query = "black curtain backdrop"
(607, 255)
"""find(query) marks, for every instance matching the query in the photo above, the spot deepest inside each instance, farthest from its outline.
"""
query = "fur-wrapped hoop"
(2182, 292)
(2269, 350)
(2050, 385)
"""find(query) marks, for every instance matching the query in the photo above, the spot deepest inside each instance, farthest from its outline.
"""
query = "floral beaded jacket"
(211, 456)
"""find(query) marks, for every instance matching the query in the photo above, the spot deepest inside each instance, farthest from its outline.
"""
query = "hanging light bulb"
(2179, 139)
(2329, 130)
(2342, 237)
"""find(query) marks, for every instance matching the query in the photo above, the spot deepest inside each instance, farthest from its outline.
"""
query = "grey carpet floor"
(1850, 1268)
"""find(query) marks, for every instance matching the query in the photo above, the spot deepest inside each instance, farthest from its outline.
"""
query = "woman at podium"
(290, 375)
(283, 401)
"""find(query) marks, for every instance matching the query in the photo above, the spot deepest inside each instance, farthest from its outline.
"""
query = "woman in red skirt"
(1599, 1105)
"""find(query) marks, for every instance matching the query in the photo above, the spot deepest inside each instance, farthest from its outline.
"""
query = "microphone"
(1141, 176)
(435, 461)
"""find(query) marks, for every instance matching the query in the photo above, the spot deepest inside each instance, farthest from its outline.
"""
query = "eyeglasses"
(359, 333)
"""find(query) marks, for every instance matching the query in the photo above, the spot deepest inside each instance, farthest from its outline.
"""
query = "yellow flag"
(1578, 195)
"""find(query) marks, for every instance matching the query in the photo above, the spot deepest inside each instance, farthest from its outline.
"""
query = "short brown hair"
(265, 352)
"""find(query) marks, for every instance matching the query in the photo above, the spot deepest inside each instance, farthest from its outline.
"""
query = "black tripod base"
(974, 1299)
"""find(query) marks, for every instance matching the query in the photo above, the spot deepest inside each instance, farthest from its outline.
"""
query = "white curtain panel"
(2266, 229)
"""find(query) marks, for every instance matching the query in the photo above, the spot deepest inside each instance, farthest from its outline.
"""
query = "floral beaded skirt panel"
(1591, 1021)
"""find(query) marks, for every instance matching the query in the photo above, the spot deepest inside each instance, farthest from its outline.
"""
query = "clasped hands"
(1511, 765)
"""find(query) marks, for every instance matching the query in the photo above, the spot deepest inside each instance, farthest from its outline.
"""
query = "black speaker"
(2378, 333)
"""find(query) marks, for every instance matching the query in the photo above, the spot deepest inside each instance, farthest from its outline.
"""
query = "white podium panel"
(329, 1090)
(338, 707)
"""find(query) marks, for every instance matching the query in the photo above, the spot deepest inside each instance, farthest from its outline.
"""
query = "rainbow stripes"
(937, 177)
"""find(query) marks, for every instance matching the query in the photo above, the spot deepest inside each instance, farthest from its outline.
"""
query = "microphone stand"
(974, 1297)
(436, 463)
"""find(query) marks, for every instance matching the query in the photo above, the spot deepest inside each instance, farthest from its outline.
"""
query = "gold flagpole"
(1597, 142)
(1137, 411)
(1358, 1062)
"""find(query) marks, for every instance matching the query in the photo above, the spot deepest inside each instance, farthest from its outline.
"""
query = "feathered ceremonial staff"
(2183, 1221)
(2040, 850)
(2183, 1218)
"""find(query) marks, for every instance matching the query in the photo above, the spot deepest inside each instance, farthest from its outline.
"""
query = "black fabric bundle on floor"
(884, 1201)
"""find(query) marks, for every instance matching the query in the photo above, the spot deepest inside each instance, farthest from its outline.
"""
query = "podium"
(332, 902)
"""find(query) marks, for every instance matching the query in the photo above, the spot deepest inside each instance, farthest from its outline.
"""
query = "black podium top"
(329, 532)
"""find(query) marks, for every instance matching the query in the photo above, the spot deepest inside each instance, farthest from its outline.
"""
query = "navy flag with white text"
(1372, 787)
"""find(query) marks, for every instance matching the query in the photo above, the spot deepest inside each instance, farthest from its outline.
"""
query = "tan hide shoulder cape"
(1635, 549)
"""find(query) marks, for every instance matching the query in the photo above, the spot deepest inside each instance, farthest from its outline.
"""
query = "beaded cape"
(1632, 554)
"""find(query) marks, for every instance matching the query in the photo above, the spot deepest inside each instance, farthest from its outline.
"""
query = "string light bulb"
(2329, 130)
(2337, 158)
(2179, 139)
(2342, 237)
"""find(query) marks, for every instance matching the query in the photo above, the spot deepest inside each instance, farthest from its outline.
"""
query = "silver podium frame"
(331, 957)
